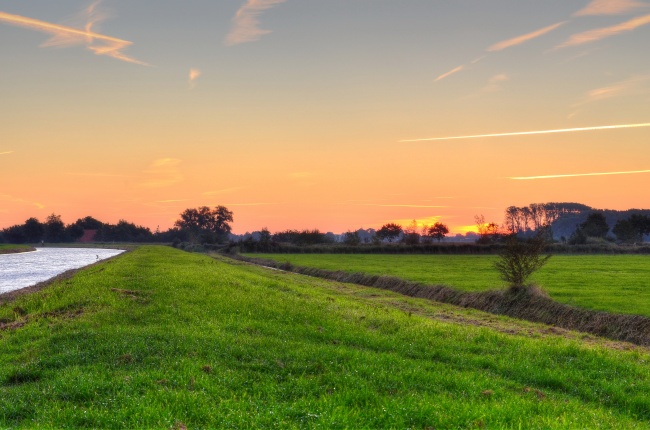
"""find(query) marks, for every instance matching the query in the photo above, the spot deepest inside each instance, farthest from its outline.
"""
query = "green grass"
(199, 342)
(613, 283)
(9, 248)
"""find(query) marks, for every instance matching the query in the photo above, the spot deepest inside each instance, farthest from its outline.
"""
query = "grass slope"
(10, 249)
(613, 283)
(161, 338)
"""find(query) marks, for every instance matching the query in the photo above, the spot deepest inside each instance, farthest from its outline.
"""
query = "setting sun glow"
(327, 116)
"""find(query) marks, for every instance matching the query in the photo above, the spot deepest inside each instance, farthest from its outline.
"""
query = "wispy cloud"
(495, 83)
(523, 38)
(449, 73)
(622, 88)
(163, 173)
(526, 133)
(193, 76)
(581, 54)
(13, 199)
(610, 7)
(64, 35)
(575, 175)
(245, 24)
(87, 19)
(602, 33)
(501, 46)
(6, 152)
(459, 68)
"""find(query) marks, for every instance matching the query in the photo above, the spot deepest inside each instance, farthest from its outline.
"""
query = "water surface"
(28, 268)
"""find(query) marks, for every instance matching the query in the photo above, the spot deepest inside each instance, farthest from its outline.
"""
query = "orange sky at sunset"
(312, 114)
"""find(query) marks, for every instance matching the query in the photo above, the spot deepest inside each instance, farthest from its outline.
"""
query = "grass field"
(614, 283)
(10, 249)
(165, 339)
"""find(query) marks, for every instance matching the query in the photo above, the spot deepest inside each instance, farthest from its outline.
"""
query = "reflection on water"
(28, 268)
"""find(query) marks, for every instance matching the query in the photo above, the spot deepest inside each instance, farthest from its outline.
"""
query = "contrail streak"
(521, 178)
(527, 133)
(449, 73)
(35, 24)
(6, 152)
(112, 48)
(524, 38)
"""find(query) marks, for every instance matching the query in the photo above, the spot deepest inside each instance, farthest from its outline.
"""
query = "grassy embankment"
(612, 283)
(161, 338)
(11, 249)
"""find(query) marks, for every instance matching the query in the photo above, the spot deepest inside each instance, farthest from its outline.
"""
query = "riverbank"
(159, 338)
(13, 249)
(22, 270)
(13, 295)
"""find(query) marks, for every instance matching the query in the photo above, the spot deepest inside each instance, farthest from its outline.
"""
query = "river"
(28, 268)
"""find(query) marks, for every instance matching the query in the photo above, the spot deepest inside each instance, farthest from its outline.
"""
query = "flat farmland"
(613, 283)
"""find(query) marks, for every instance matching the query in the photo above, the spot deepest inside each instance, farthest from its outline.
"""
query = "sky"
(328, 114)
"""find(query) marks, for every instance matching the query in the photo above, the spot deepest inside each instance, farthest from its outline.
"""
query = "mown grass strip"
(159, 338)
(530, 304)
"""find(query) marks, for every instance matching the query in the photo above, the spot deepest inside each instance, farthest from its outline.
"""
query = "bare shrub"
(520, 259)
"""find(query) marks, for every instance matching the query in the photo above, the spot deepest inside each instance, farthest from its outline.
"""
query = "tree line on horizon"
(263, 240)
(54, 230)
(204, 225)
(571, 223)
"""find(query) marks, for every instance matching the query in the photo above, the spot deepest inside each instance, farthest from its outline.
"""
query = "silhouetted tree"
(205, 224)
(123, 231)
(595, 225)
(14, 234)
(512, 221)
(578, 237)
(89, 223)
(351, 238)
(33, 230)
(54, 229)
(625, 231)
(641, 223)
(438, 231)
(265, 239)
(305, 237)
(488, 232)
(389, 232)
(410, 234)
(73, 232)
